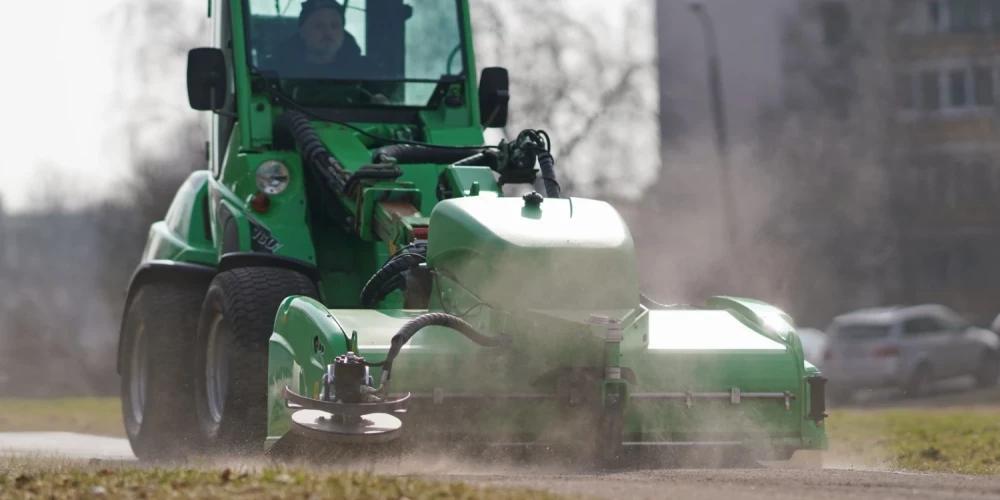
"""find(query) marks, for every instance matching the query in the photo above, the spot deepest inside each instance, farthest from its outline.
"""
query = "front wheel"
(231, 355)
(988, 370)
(157, 395)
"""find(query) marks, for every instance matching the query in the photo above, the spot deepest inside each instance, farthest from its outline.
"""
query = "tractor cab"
(359, 52)
(391, 62)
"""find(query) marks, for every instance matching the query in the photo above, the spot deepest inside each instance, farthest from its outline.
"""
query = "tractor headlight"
(272, 177)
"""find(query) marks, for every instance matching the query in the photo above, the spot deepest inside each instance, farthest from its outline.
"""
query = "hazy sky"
(60, 57)
(58, 83)
(60, 86)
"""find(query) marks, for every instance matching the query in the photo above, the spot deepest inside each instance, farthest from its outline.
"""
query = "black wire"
(440, 294)
(277, 94)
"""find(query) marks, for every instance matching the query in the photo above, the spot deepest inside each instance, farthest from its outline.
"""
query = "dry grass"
(20, 478)
(954, 440)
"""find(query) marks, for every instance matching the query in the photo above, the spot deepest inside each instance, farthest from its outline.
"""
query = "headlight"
(272, 177)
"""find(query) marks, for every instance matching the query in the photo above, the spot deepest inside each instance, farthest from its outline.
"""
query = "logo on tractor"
(261, 239)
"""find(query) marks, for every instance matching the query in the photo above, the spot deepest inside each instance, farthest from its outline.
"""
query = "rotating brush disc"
(373, 428)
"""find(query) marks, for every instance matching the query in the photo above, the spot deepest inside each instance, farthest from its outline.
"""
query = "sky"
(61, 55)
(65, 75)
(61, 86)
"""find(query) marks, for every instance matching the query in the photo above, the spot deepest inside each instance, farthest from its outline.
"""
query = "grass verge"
(953, 440)
(68, 479)
(98, 416)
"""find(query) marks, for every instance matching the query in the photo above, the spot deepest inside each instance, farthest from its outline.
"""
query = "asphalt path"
(795, 480)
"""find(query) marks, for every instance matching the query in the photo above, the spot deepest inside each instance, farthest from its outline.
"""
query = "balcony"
(936, 46)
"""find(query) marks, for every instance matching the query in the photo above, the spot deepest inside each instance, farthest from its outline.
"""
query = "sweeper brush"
(349, 273)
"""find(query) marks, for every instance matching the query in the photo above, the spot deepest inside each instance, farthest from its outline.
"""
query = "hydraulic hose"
(407, 331)
(407, 153)
(314, 153)
(389, 278)
(548, 164)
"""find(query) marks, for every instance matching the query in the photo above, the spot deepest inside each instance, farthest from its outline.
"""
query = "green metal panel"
(536, 273)
(181, 236)
(567, 253)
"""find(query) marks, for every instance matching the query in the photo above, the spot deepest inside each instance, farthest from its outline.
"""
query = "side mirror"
(207, 78)
(494, 97)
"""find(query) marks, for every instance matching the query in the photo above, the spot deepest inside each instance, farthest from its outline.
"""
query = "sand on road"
(754, 484)
(772, 481)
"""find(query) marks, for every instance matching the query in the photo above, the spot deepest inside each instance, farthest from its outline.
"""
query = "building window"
(983, 83)
(972, 260)
(904, 91)
(965, 16)
(836, 22)
(956, 89)
(930, 90)
(934, 15)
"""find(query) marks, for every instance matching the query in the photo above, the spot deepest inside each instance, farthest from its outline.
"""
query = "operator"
(323, 48)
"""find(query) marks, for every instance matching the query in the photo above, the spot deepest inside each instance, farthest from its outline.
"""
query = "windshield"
(348, 52)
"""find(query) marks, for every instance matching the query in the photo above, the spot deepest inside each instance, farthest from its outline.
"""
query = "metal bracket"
(438, 396)
(734, 396)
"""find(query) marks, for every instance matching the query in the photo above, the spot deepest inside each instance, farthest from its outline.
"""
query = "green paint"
(535, 273)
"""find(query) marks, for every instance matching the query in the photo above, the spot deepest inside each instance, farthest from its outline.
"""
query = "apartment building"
(946, 168)
(946, 57)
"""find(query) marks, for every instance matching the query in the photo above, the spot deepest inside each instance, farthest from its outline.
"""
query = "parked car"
(909, 347)
(814, 342)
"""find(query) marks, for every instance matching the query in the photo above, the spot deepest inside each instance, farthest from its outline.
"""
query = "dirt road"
(753, 484)
(835, 481)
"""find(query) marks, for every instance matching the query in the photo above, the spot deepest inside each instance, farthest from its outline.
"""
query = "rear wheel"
(988, 370)
(231, 355)
(919, 384)
(157, 390)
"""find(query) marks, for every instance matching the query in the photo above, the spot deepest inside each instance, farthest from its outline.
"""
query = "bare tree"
(589, 84)
(829, 153)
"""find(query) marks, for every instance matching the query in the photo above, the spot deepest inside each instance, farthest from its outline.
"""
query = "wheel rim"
(137, 374)
(217, 367)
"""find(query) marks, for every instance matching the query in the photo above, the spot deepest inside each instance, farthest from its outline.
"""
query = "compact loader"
(347, 272)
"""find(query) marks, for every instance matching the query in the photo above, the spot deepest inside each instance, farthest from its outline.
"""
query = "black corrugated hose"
(437, 319)
(408, 153)
(314, 153)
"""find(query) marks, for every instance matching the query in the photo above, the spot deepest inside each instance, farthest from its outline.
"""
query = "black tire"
(919, 384)
(158, 409)
(988, 370)
(241, 305)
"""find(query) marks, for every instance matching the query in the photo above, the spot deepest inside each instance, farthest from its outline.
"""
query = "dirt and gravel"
(768, 481)
(752, 484)
(838, 479)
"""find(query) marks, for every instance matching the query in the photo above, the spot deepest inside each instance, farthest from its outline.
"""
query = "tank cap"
(532, 199)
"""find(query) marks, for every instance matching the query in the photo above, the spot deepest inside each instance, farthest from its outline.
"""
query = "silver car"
(906, 347)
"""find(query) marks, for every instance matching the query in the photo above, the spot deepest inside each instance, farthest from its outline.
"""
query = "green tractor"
(348, 271)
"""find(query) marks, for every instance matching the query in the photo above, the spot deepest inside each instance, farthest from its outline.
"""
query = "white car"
(906, 347)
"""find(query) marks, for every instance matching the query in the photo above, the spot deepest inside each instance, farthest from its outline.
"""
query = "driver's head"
(321, 27)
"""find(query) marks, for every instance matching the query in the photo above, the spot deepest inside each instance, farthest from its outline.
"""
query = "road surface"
(835, 481)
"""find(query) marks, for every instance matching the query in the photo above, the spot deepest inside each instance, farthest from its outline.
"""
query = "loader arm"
(376, 205)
